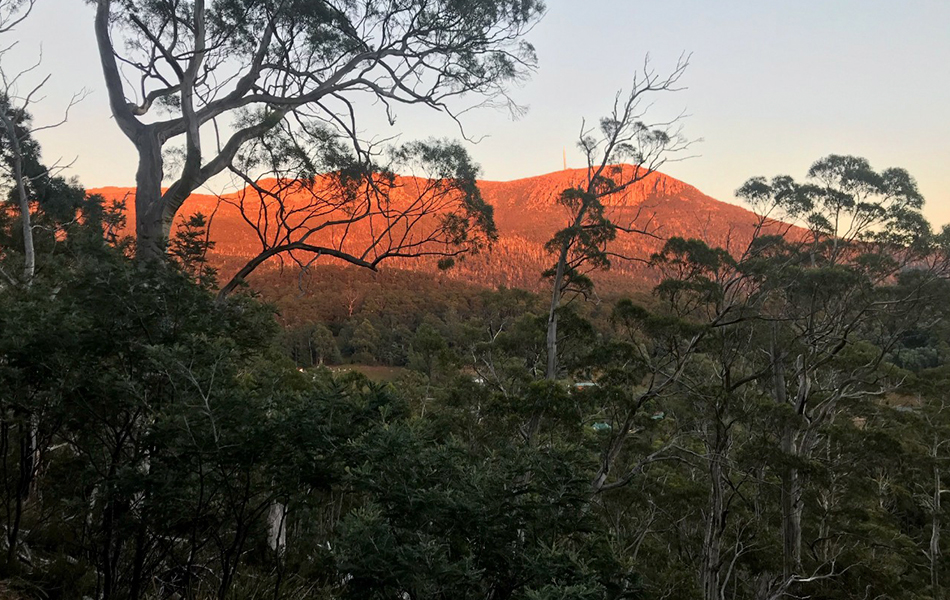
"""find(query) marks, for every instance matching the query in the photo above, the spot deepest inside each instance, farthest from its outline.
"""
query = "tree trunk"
(550, 372)
(277, 526)
(557, 285)
(791, 483)
(152, 224)
(791, 516)
(29, 252)
(712, 541)
(935, 528)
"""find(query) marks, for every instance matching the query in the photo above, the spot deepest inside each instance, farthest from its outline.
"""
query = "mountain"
(526, 214)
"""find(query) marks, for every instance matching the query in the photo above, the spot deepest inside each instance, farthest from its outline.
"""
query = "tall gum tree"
(594, 205)
(216, 74)
(858, 268)
(20, 165)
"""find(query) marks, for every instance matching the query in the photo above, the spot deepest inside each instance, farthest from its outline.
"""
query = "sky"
(771, 87)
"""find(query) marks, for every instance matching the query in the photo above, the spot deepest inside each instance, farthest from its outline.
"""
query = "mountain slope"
(527, 214)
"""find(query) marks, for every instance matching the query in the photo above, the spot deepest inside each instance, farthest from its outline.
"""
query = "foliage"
(265, 71)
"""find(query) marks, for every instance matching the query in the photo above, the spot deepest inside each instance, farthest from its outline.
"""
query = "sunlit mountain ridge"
(527, 214)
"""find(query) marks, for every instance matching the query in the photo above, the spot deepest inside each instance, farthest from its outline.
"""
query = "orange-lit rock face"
(526, 213)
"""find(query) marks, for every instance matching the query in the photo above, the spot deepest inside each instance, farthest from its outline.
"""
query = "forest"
(766, 420)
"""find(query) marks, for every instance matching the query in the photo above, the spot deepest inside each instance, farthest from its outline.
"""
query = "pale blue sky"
(772, 86)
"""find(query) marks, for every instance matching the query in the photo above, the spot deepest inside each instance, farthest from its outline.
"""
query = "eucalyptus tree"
(624, 135)
(217, 74)
(599, 206)
(837, 293)
(11, 117)
(23, 172)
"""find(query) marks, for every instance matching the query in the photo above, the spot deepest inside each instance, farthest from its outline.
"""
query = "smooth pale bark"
(715, 525)
(557, 290)
(791, 517)
(148, 178)
(550, 372)
(551, 369)
(152, 220)
(791, 482)
(155, 211)
(935, 525)
(29, 252)
(277, 526)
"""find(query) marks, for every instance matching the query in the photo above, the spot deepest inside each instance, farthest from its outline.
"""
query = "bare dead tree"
(217, 76)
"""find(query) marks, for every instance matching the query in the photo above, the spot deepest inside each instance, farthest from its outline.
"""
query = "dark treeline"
(337, 315)
(764, 425)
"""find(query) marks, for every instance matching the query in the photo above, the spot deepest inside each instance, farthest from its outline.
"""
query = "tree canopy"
(213, 76)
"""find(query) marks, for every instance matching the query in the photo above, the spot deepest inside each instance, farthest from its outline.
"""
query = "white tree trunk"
(277, 526)
(29, 253)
